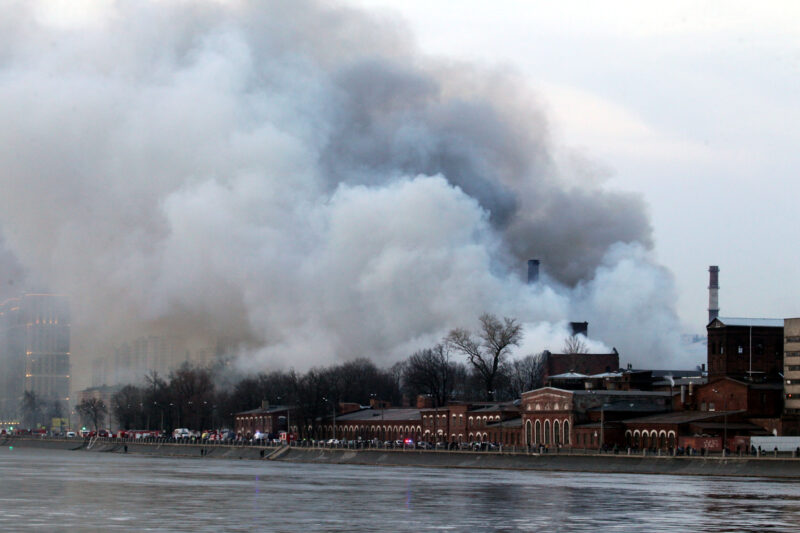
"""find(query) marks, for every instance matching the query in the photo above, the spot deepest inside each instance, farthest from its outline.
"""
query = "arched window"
(567, 436)
(538, 437)
(547, 434)
(556, 433)
(528, 433)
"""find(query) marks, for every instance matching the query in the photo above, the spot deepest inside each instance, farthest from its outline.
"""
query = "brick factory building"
(580, 363)
(749, 349)
(267, 419)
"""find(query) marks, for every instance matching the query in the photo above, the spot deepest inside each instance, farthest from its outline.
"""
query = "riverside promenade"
(565, 461)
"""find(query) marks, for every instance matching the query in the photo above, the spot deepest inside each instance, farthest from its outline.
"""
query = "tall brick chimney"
(533, 271)
(713, 292)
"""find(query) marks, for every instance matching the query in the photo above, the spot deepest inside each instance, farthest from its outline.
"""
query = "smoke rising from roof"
(297, 177)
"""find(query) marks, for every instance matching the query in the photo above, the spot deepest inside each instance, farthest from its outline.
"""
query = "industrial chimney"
(713, 292)
(533, 271)
(579, 328)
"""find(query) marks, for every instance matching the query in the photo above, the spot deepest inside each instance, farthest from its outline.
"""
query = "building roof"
(754, 322)
(679, 417)
(623, 406)
(499, 406)
(607, 375)
(613, 352)
(730, 426)
(620, 393)
(510, 423)
(569, 375)
(381, 414)
(269, 410)
(682, 381)
(677, 373)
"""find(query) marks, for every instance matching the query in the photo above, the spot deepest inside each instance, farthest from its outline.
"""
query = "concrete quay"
(765, 466)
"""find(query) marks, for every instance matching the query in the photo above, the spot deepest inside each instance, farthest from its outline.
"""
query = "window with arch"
(567, 437)
(547, 432)
(556, 432)
(537, 439)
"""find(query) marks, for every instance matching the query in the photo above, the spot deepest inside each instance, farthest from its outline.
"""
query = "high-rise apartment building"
(34, 350)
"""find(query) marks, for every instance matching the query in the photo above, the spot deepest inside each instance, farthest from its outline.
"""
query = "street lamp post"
(333, 407)
(288, 423)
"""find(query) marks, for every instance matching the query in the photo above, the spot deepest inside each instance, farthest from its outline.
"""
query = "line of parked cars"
(208, 435)
(407, 444)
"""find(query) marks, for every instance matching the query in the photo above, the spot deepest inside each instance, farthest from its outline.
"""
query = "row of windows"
(792, 339)
(758, 349)
(557, 433)
(443, 418)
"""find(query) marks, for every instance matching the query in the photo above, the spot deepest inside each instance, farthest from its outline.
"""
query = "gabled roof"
(569, 375)
(750, 322)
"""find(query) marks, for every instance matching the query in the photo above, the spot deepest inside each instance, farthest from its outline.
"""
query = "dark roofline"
(269, 410)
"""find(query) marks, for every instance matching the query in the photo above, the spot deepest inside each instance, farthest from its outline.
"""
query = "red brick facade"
(736, 350)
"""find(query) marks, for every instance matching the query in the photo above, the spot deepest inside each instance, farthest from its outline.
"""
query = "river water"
(49, 490)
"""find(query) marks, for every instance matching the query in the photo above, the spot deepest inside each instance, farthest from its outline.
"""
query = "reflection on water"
(46, 490)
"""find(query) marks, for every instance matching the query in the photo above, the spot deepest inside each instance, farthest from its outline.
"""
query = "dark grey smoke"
(294, 176)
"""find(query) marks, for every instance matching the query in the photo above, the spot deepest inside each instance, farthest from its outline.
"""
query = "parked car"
(181, 433)
(71, 434)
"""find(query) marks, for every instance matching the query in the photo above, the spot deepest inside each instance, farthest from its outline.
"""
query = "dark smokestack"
(579, 328)
(533, 271)
(713, 292)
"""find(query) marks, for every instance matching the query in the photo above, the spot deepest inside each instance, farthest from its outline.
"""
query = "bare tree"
(487, 350)
(526, 374)
(575, 344)
(92, 410)
(31, 407)
(128, 406)
(430, 372)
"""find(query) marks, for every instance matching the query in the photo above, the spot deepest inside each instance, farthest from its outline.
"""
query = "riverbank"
(773, 467)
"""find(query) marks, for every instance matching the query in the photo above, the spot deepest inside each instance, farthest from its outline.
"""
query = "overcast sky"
(285, 136)
(692, 104)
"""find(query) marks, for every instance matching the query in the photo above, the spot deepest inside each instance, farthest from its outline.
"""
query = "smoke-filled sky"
(691, 103)
(305, 180)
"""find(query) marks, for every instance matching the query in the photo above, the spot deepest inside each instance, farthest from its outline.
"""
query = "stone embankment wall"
(632, 464)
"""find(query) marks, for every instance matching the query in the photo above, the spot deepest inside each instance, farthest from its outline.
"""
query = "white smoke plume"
(297, 178)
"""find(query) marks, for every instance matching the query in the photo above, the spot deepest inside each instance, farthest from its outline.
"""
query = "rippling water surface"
(44, 490)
